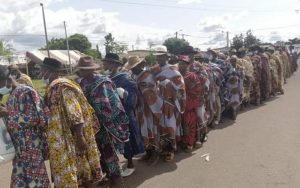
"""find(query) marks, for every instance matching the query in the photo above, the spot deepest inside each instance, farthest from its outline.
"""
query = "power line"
(186, 8)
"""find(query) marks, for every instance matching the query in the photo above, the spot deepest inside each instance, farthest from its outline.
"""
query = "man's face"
(182, 66)
(85, 73)
(162, 59)
(106, 65)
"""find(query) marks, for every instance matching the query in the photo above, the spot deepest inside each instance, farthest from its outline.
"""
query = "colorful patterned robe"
(103, 97)
(149, 109)
(248, 78)
(265, 84)
(257, 67)
(69, 107)
(195, 92)
(234, 86)
(135, 145)
(172, 92)
(27, 124)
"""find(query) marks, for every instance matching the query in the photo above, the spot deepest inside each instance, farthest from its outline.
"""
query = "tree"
(175, 45)
(57, 44)
(6, 51)
(76, 42)
(111, 46)
(294, 41)
(250, 39)
(237, 41)
(79, 42)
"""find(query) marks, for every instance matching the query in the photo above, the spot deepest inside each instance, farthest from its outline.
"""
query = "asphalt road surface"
(260, 150)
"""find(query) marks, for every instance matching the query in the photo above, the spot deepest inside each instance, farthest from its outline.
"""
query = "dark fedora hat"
(112, 57)
(189, 50)
(53, 64)
(87, 63)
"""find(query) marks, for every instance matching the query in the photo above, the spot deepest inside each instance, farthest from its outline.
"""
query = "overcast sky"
(136, 22)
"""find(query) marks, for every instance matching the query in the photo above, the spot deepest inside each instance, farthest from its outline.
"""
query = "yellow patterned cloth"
(25, 79)
(248, 79)
(68, 108)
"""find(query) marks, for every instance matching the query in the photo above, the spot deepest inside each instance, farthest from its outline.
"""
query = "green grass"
(37, 84)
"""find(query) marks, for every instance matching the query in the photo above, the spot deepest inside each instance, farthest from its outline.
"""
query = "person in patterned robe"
(255, 91)
(26, 120)
(128, 93)
(194, 87)
(172, 92)
(74, 156)
(113, 133)
(265, 84)
(149, 111)
(234, 86)
(245, 62)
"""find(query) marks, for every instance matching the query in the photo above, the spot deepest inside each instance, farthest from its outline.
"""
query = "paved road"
(260, 150)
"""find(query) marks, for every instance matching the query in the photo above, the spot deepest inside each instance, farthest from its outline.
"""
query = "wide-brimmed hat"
(112, 57)
(86, 63)
(189, 50)
(53, 64)
(214, 52)
(133, 61)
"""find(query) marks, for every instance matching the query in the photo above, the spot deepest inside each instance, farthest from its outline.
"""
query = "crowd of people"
(130, 107)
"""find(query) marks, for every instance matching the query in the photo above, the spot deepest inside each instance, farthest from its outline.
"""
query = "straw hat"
(133, 61)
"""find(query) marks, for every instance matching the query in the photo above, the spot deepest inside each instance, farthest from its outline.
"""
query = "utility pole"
(67, 40)
(227, 39)
(45, 28)
(176, 34)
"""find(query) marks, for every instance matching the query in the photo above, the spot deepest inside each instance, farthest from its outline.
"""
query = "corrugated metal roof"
(38, 56)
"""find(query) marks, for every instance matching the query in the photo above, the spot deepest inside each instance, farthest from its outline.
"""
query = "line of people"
(130, 108)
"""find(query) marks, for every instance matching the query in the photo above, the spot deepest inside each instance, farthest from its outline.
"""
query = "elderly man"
(172, 92)
(74, 156)
(103, 97)
(128, 92)
(26, 120)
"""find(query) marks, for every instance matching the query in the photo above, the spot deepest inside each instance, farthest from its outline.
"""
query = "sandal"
(169, 157)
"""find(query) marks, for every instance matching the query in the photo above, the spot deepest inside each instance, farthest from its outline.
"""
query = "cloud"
(26, 26)
(185, 2)
(7, 5)
(218, 39)
(212, 28)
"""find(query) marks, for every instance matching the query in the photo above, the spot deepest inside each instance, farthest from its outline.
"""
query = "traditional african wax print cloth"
(234, 86)
(274, 76)
(286, 62)
(103, 97)
(265, 84)
(257, 67)
(69, 108)
(25, 79)
(195, 88)
(27, 124)
(201, 71)
(248, 78)
(172, 92)
(280, 70)
(135, 145)
(149, 109)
